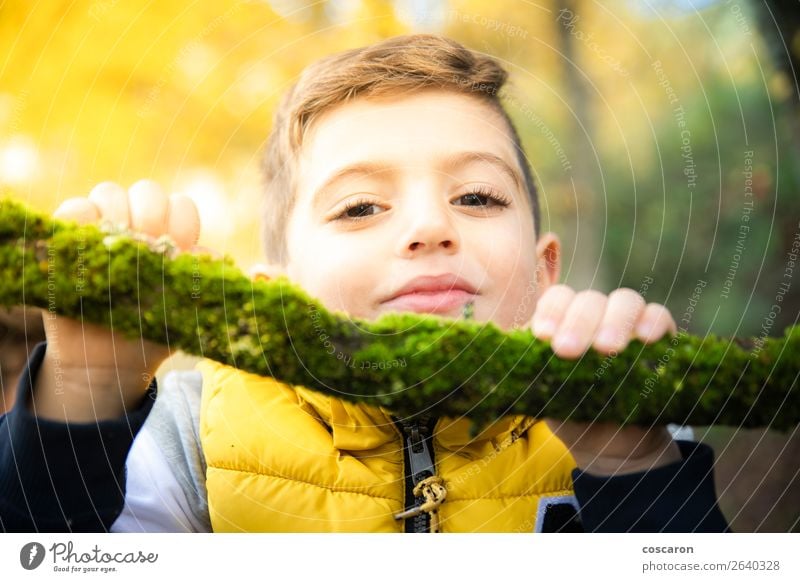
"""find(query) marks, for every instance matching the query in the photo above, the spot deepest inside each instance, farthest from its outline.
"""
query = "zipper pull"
(419, 455)
(427, 485)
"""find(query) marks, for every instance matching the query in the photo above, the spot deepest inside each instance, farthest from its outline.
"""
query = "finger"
(183, 222)
(81, 210)
(623, 311)
(112, 201)
(656, 322)
(550, 310)
(149, 208)
(580, 323)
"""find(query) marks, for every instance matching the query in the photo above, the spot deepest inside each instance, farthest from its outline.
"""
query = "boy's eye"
(360, 210)
(357, 210)
(482, 196)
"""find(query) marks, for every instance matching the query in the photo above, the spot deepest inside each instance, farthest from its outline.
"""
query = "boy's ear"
(265, 271)
(548, 260)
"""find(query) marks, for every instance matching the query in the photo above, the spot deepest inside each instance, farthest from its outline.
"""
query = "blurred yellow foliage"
(183, 92)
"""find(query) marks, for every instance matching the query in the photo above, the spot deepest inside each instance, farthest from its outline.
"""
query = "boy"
(395, 181)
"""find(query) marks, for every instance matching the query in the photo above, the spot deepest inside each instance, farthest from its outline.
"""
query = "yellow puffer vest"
(286, 459)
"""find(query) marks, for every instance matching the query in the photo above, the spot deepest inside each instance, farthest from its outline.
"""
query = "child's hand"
(574, 322)
(89, 372)
(143, 208)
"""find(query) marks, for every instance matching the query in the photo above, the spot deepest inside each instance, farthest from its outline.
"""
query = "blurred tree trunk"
(581, 266)
(779, 25)
(781, 17)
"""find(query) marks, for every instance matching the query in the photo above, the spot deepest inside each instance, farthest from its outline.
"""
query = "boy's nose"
(428, 228)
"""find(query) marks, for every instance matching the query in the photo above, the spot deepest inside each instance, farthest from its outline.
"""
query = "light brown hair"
(396, 66)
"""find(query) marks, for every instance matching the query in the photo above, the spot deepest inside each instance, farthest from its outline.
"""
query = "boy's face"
(425, 211)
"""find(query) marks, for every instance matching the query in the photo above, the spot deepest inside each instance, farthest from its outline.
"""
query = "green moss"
(407, 362)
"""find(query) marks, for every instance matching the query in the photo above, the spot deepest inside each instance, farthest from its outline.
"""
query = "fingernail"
(607, 337)
(644, 329)
(566, 342)
(544, 327)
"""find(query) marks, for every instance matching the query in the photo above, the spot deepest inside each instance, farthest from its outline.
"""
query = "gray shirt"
(166, 469)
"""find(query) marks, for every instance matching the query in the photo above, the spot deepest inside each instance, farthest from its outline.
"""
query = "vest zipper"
(418, 464)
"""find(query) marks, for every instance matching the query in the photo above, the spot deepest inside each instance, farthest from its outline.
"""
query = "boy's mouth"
(432, 294)
(431, 302)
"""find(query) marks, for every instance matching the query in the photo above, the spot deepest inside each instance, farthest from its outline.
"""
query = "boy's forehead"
(425, 129)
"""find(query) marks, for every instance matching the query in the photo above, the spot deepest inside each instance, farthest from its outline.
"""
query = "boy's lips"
(432, 294)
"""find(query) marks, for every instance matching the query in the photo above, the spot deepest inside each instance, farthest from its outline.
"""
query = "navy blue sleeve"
(678, 497)
(63, 477)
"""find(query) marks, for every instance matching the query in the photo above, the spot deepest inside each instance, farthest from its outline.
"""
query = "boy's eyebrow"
(447, 163)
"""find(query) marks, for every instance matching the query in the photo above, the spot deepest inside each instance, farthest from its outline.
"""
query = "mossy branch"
(407, 362)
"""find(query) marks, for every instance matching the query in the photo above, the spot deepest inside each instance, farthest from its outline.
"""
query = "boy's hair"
(395, 66)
